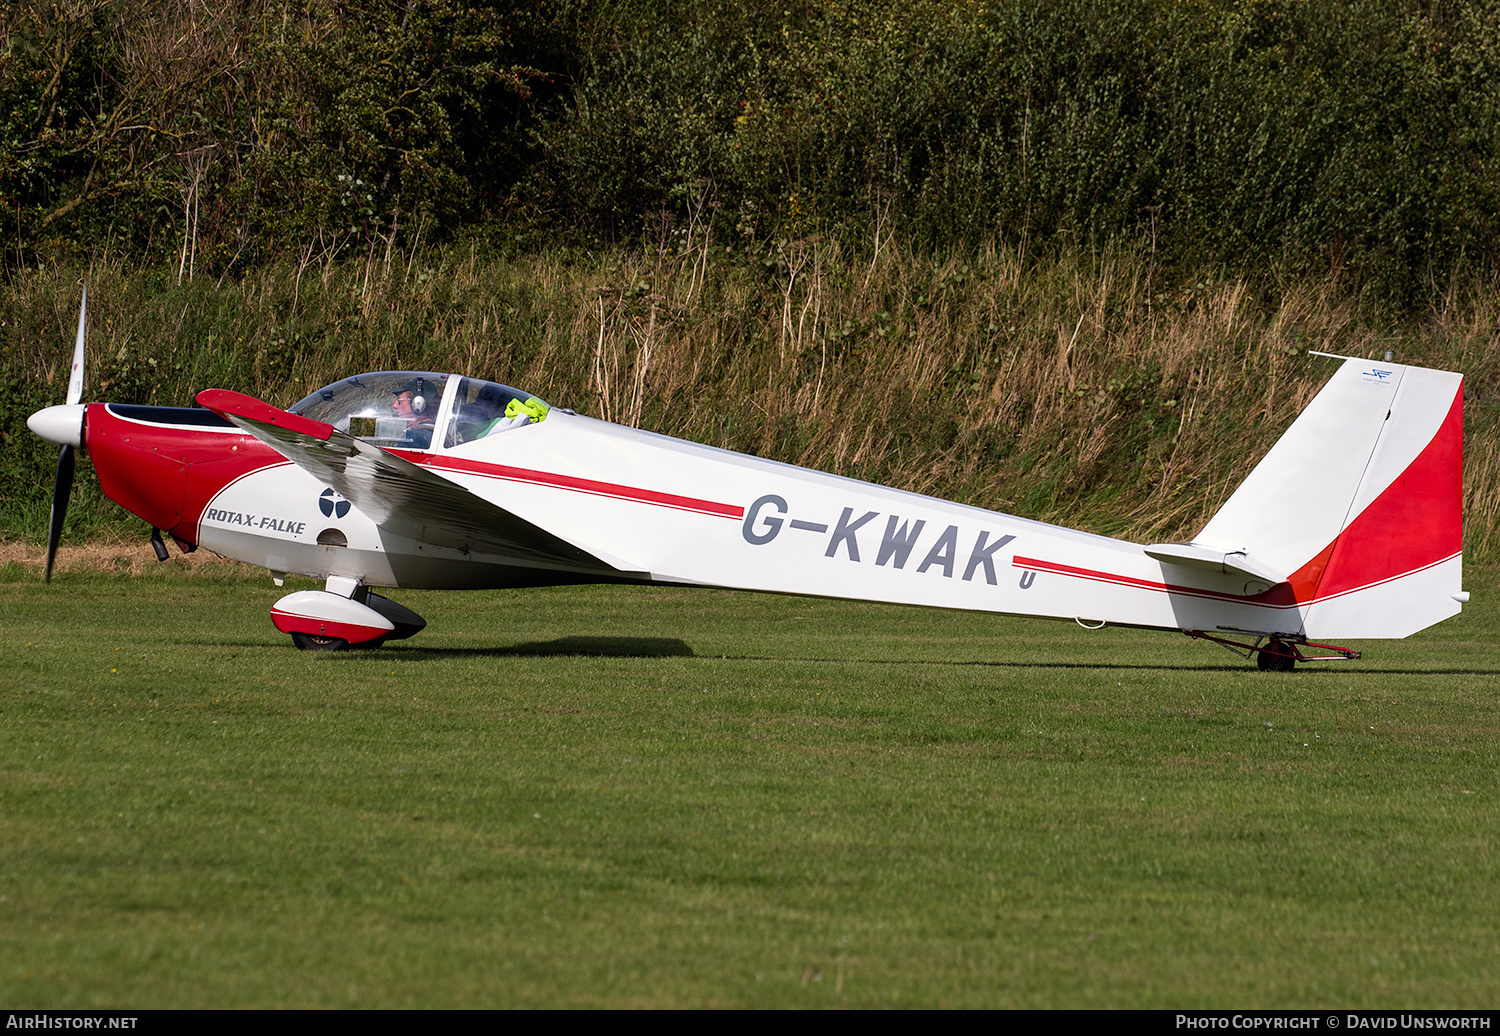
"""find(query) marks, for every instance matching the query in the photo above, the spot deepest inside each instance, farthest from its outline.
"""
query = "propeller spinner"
(63, 425)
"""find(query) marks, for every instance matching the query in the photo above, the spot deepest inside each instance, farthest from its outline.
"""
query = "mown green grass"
(620, 797)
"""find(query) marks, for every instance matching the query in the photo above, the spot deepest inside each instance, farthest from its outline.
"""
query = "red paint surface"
(1416, 522)
(141, 468)
(354, 633)
(164, 475)
(226, 404)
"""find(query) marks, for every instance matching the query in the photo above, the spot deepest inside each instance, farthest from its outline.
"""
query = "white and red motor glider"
(1350, 528)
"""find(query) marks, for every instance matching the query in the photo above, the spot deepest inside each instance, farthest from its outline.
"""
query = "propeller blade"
(62, 488)
(75, 379)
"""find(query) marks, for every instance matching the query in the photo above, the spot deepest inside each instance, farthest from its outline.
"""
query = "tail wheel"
(314, 642)
(1276, 657)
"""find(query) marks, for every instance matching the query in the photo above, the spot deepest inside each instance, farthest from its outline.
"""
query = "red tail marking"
(1416, 522)
(1304, 581)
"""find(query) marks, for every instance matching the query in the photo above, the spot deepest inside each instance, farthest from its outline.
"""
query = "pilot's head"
(415, 399)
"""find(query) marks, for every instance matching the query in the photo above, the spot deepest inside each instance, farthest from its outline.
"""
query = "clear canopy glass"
(420, 410)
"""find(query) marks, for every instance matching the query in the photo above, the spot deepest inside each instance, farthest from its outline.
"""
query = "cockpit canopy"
(420, 410)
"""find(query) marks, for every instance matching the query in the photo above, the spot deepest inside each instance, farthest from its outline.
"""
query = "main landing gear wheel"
(314, 642)
(1276, 657)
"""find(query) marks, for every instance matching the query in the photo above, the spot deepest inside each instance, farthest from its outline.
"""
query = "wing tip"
(229, 404)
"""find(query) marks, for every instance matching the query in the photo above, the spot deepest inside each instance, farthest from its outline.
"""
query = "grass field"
(632, 797)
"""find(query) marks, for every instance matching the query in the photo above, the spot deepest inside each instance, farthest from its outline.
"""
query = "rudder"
(1359, 505)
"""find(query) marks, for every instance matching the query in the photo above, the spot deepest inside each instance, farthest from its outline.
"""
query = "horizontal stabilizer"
(1212, 559)
(405, 498)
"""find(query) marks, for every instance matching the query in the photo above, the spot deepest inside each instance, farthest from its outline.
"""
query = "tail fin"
(1359, 505)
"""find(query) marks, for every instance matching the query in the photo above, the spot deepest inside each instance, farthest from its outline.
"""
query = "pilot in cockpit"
(416, 403)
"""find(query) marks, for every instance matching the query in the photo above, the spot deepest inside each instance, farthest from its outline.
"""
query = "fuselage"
(661, 510)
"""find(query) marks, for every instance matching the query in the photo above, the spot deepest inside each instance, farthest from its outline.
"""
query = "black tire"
(314, 642)
(1276, 657)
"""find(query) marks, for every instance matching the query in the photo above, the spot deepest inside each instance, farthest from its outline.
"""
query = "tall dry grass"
(1074, 389)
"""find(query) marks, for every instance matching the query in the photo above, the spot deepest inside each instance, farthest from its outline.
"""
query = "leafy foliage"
(168, 130)
(1354, 138)
(1325, 136)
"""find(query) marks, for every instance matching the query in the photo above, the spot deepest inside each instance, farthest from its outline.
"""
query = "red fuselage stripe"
(1276, 597)
(576, 484)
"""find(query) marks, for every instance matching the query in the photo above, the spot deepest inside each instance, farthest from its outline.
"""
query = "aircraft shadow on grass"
(1226, 666)
(579, 647)
(671, 647)
(588, 647)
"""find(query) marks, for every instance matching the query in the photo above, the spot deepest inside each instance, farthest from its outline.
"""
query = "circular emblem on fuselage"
(331, 504)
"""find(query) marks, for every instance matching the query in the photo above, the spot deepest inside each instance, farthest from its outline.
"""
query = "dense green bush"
(1358, 138)
(166, 130)
(1323, 136)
